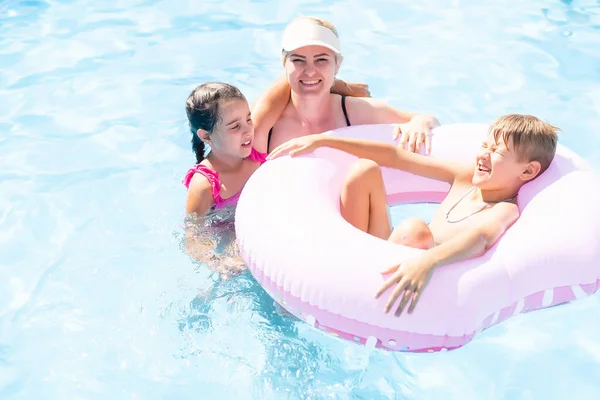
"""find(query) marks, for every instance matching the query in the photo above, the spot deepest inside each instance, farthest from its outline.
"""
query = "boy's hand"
(411, 277)
(415, 132)
(352, 89)
(297, 146)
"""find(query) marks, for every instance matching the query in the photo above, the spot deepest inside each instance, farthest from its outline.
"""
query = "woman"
(311, 58)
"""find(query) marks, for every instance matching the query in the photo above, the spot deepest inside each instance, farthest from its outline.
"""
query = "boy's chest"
(454, 216)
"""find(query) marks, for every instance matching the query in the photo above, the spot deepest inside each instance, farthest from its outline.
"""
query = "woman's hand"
(352, 89)
(416, 132)
(297, 146)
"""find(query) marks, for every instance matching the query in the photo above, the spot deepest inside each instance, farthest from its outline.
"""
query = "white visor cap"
(305, 32)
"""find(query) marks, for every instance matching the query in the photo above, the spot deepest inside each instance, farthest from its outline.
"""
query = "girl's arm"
(199, 196)
(384, 154)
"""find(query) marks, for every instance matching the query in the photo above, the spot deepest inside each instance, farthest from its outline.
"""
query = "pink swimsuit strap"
(213, 178)
(257, 156)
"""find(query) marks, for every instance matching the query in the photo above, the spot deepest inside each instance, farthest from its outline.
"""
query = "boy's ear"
(531, 170)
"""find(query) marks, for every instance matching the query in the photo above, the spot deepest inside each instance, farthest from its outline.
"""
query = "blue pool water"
(97, 298)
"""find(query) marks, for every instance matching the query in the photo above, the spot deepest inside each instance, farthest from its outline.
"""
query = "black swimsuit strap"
(269, 139)
(343, 110)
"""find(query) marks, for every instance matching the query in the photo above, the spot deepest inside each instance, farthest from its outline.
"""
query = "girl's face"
(311, 70)
(233, 133)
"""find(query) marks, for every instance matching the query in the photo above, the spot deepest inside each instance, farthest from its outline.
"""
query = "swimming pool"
(97, 298)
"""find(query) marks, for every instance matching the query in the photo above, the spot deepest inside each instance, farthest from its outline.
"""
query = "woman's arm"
(351, 89)
(364, 111)
(413, 129)
(268, 107)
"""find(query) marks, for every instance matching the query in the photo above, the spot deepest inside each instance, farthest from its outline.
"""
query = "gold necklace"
(474, 212)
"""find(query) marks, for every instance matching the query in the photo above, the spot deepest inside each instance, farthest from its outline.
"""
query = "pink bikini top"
(213, 178)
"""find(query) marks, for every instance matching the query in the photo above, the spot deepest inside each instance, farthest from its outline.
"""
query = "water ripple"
(97, 297)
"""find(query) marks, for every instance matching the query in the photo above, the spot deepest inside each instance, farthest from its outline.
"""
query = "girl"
(219, 116)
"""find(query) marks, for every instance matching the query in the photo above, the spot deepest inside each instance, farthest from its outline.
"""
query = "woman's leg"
(413, 232)
(363, 200)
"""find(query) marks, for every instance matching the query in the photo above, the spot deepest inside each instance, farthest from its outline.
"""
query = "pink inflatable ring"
(326, 272)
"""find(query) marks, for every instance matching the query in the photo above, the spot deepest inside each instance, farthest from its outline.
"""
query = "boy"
(479, 208)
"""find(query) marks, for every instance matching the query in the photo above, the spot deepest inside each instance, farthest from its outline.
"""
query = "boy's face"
(498, 166)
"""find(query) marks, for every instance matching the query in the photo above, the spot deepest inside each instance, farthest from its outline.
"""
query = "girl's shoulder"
(202, 191)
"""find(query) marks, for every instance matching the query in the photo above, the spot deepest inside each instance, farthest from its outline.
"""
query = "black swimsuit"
(343, 110)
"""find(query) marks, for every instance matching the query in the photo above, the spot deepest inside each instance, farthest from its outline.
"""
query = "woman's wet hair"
(202, 109)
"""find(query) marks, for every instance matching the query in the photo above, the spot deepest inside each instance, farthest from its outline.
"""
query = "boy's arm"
(384, 154)
(412, 276)
(475, 241)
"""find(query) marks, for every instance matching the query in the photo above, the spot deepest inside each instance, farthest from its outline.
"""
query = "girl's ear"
(203, 135)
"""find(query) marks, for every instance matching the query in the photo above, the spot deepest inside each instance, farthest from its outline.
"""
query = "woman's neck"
(312, 111)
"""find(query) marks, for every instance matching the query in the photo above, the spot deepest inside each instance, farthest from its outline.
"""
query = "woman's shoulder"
(365, 110)
(365, 103)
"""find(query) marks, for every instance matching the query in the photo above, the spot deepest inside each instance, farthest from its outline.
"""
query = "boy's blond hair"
(532, 138)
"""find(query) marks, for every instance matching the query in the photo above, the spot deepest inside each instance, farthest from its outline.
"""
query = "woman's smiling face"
(311, 70)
